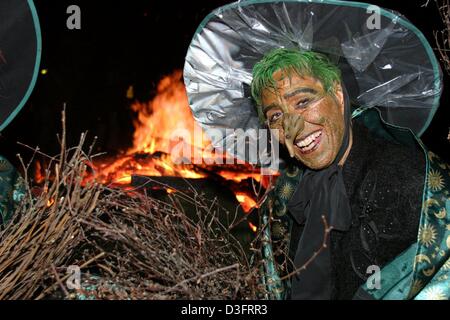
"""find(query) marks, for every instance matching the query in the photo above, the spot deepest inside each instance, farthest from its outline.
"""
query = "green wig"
(304, 63)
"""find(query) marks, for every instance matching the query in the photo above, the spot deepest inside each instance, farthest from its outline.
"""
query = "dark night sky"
(133, 42)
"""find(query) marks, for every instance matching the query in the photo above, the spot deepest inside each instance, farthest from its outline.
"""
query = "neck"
(347, 152)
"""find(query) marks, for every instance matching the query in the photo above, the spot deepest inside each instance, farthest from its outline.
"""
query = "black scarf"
(320, 193)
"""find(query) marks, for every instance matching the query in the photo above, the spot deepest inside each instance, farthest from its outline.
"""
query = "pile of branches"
(125, 244)
(443, 36)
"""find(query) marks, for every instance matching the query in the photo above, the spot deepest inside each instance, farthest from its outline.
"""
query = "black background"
(123, 43)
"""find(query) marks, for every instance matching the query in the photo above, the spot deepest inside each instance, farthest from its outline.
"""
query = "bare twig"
(327, 230)
(442, 37)
(128, 245)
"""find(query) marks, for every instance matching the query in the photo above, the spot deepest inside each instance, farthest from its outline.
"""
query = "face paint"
(310, 121)
(292, 124)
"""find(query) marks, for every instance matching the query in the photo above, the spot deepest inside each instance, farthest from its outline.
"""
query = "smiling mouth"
(310, 143)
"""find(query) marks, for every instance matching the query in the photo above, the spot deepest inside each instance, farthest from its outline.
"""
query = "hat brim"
(20, 52)
(391, 67)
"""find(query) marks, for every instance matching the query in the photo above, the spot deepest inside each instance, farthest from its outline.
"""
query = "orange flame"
(50, 202)
(38, 176)
(252, 227)
(157, 120)
(155, 138)
(246, 201)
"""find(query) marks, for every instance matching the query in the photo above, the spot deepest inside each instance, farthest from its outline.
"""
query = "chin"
(318, 164)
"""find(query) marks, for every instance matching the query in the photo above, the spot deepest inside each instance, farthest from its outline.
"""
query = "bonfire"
(84, 231)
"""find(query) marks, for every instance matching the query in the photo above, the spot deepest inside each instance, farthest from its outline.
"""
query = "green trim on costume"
(275, 219)
(36, 66)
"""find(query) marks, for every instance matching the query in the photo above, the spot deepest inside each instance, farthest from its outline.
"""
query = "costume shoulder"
(276, 224)
(400, 172)
(422, 271)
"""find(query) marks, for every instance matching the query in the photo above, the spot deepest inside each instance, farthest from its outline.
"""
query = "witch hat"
(386, 62)
(20, 52)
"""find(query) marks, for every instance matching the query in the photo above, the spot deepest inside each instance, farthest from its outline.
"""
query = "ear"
(339, 96)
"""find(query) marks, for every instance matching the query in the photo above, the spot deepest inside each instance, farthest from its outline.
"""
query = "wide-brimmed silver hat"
(386, 61)
(20, 53)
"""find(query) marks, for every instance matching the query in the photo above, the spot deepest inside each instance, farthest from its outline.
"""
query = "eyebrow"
(299, 90)
(290, 95)
(270, 106)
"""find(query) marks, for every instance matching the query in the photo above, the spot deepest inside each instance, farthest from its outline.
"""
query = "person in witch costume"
(358, 192)
(20, 50)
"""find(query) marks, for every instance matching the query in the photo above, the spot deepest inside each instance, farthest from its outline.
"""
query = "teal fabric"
(277, 228)
(12, 190)
(395, 278)
(423, 270)
(425, 267)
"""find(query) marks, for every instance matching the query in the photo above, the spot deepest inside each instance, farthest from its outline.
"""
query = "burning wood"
(127, 245)
(138, 245)
(216, 189)
(157, 145)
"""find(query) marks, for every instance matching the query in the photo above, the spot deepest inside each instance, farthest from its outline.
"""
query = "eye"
(275, 116)
(303, 103)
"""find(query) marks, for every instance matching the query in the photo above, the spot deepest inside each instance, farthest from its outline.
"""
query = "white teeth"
(308, 140)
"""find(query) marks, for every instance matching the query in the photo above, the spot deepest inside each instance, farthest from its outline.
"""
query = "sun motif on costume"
(427, 235)
(292, 173)
(287, 190)
(441, 214)
(4, 165)
(278, 230)
(431, 156)
(446, 265)
(435, 180)
(443, 166)
(434, 293)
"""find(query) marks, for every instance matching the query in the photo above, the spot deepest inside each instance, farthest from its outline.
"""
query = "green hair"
(304, 63)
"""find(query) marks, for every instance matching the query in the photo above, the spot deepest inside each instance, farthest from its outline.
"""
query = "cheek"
(328, 115)
(277, 131)
(335, 127)
(317, 115)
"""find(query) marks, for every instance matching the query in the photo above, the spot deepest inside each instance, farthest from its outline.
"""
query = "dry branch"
(127, 244)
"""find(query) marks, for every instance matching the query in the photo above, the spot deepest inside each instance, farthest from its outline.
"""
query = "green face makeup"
(310, 121)
(292, 124)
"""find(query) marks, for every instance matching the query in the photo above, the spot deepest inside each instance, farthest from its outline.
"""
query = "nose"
(293, 124)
